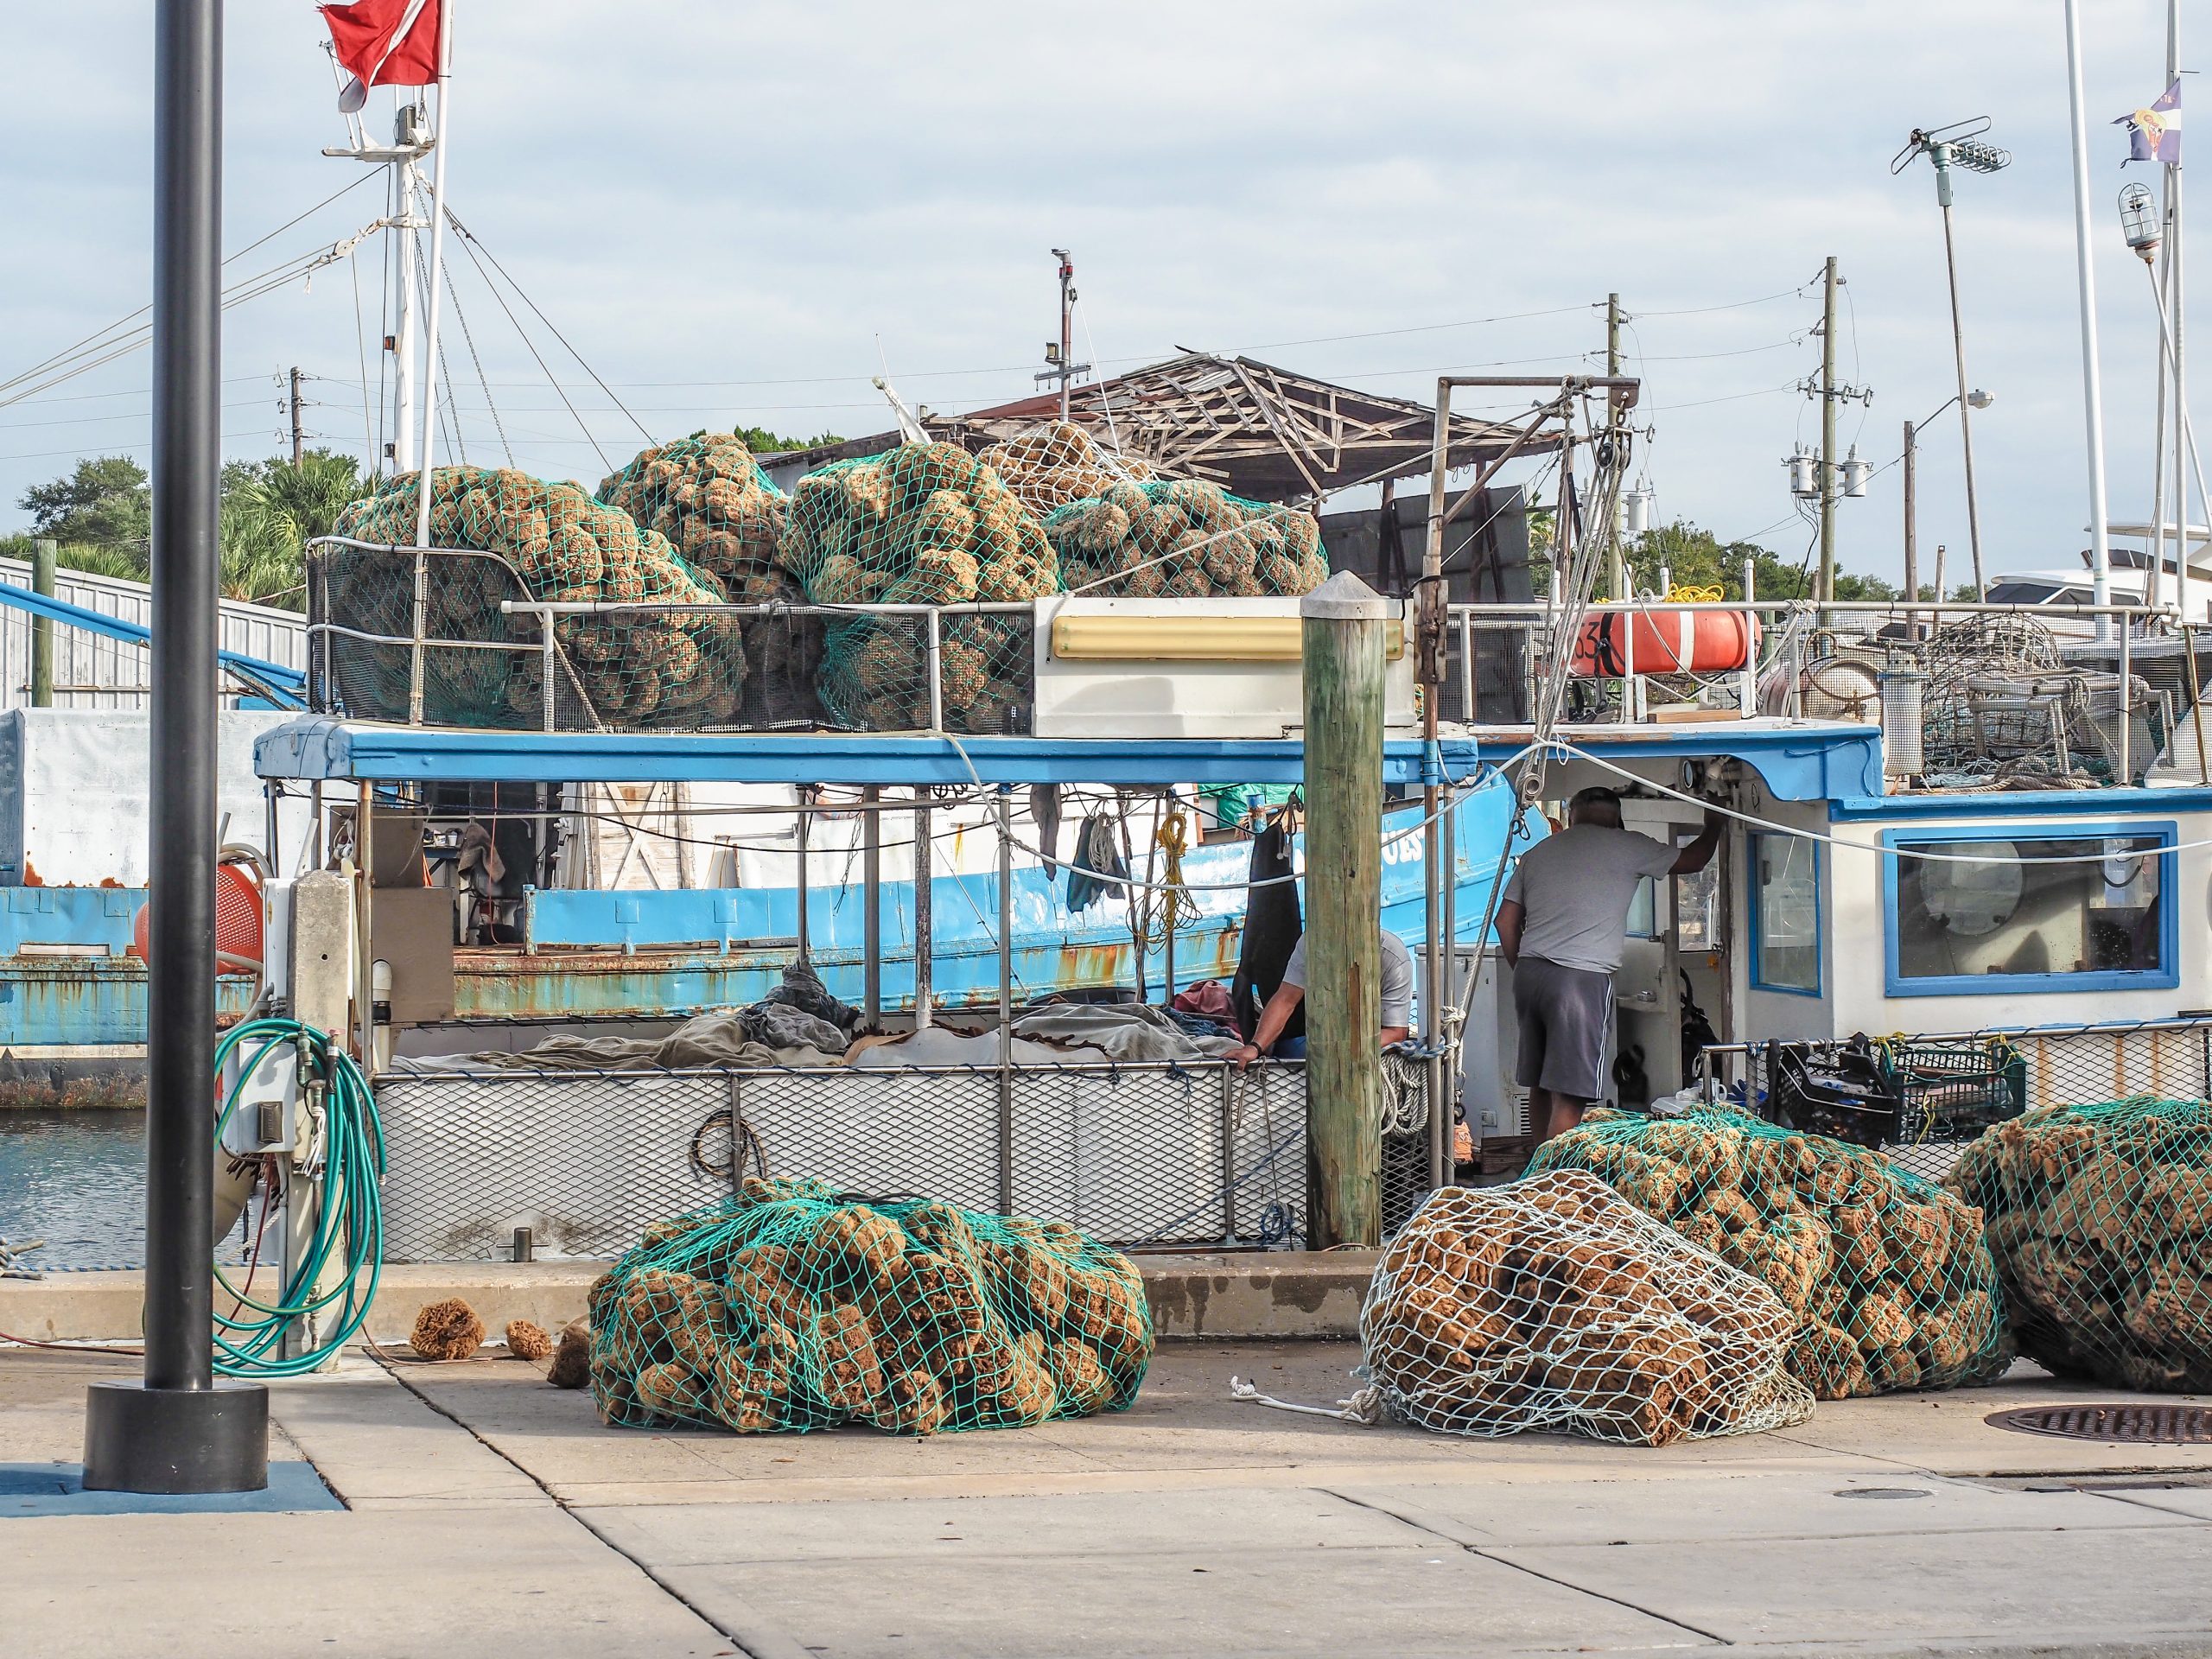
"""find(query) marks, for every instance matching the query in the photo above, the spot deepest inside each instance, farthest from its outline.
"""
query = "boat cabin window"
(1695, 921)
(2030, 914)
(2023, 593)
(1786, 914)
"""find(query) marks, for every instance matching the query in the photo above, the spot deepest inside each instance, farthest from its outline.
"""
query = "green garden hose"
(348, 1224)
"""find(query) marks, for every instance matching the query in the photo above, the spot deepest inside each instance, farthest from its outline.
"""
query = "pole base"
(176, 1441)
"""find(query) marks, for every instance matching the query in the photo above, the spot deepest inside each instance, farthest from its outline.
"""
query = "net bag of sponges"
(545, 541)
(925, 524)
(791, 1306)
(1887, 1276)
(1050, 466)
(1555, 1304)
(721, 513)
(1186, 540)
(2100, 1220)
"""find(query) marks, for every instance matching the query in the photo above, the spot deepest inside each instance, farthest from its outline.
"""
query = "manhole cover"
(2146, 1425)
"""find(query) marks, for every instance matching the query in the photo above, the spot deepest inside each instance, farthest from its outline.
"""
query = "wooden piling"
(1344, 624)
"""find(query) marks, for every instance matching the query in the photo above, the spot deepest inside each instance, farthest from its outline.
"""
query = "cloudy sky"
(740, 212)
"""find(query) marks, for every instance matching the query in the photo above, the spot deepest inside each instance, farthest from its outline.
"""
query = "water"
(78, 1180)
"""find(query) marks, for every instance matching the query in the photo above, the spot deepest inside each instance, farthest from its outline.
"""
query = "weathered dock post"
(1344, 622)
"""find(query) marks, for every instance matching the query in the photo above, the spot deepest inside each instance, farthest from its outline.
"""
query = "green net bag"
(793, 1307)
(2099, 1217)
(1050, 466)
(1889, 1277)
(1186, 540)
(557, 543)
(921, 524)
(1555, 1304)
(718, 510)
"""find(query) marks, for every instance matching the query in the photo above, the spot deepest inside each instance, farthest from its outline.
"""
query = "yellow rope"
(1172, 835)
(1683, 594)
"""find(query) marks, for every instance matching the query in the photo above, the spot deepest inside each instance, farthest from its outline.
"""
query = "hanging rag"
(1272, 923)
(1045, 813)
(1097, 854)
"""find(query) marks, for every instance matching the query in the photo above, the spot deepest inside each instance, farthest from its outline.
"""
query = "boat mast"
(2174, 291)
(406, 132)
(2092, 386)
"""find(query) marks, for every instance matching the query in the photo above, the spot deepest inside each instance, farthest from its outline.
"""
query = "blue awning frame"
(1797, 761)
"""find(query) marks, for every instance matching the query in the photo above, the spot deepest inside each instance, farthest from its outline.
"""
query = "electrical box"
(264, 1100)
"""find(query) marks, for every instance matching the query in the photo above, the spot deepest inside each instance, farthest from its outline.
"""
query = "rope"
(1364, 1408)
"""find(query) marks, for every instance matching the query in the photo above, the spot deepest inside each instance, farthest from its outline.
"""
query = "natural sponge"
(526, 1340)
(446, 1330)
(571, 1366)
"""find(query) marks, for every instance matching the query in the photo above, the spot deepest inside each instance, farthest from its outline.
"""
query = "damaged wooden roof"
(1260, 431)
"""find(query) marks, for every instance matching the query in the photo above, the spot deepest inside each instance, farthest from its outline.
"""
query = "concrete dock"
(487, 1514)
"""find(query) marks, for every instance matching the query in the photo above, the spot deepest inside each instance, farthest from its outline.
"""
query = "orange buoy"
(240, 922)
(1666, 642)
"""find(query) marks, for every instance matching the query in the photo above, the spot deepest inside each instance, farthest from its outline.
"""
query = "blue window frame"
(1785, 914)
(2105, 920)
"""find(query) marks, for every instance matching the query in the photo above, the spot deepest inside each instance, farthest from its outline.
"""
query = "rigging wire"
(468, 245)
(469, 237)
(468, 340)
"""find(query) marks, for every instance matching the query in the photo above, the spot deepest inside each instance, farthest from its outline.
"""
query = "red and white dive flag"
(384, 43)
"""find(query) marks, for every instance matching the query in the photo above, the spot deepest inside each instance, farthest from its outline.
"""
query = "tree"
(761, 442)
(105, 502)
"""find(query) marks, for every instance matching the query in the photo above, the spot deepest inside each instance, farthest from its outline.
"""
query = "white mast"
(2092, 388)
(2174, 307)
(402, 339)
(437, 260)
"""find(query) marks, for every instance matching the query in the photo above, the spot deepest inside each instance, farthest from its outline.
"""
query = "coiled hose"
(349, 1223)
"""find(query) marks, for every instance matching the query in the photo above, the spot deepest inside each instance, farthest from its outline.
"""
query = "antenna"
(1059, 352)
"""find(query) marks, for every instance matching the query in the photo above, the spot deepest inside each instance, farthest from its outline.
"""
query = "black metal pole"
(180, 1431)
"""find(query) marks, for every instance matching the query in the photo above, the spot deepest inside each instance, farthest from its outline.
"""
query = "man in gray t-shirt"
(1397, 999)
(1563, 927)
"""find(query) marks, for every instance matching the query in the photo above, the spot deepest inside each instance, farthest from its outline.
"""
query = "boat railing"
(1954, 1085)
(457, 636)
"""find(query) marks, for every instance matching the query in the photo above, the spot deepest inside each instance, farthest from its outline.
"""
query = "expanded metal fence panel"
(921, 1133)
(2050, 1066)
(585, 1162)
(1136, 1155)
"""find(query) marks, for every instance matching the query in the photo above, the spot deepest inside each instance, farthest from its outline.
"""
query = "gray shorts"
(1564, 1014)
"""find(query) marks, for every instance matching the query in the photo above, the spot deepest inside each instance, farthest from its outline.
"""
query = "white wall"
(1857, 924)
(73, 795)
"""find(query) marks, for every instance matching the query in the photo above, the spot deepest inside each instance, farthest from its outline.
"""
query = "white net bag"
(1555, 1304)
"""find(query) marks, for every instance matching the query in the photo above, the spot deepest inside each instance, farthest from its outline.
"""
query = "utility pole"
(179, 1429)
(1825, 590)
(44, 550)
(1058, 354)
(1911, 529)
(298, 435)
(1617, 573)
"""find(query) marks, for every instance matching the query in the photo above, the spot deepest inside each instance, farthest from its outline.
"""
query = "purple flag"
(2154, 134)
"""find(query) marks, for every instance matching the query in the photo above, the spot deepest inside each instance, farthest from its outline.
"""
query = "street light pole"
(179, 1430)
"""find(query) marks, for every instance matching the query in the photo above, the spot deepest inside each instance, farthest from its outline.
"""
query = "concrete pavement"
(490, 1514)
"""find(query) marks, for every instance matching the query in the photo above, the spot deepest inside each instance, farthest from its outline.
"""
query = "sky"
(739, 214)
